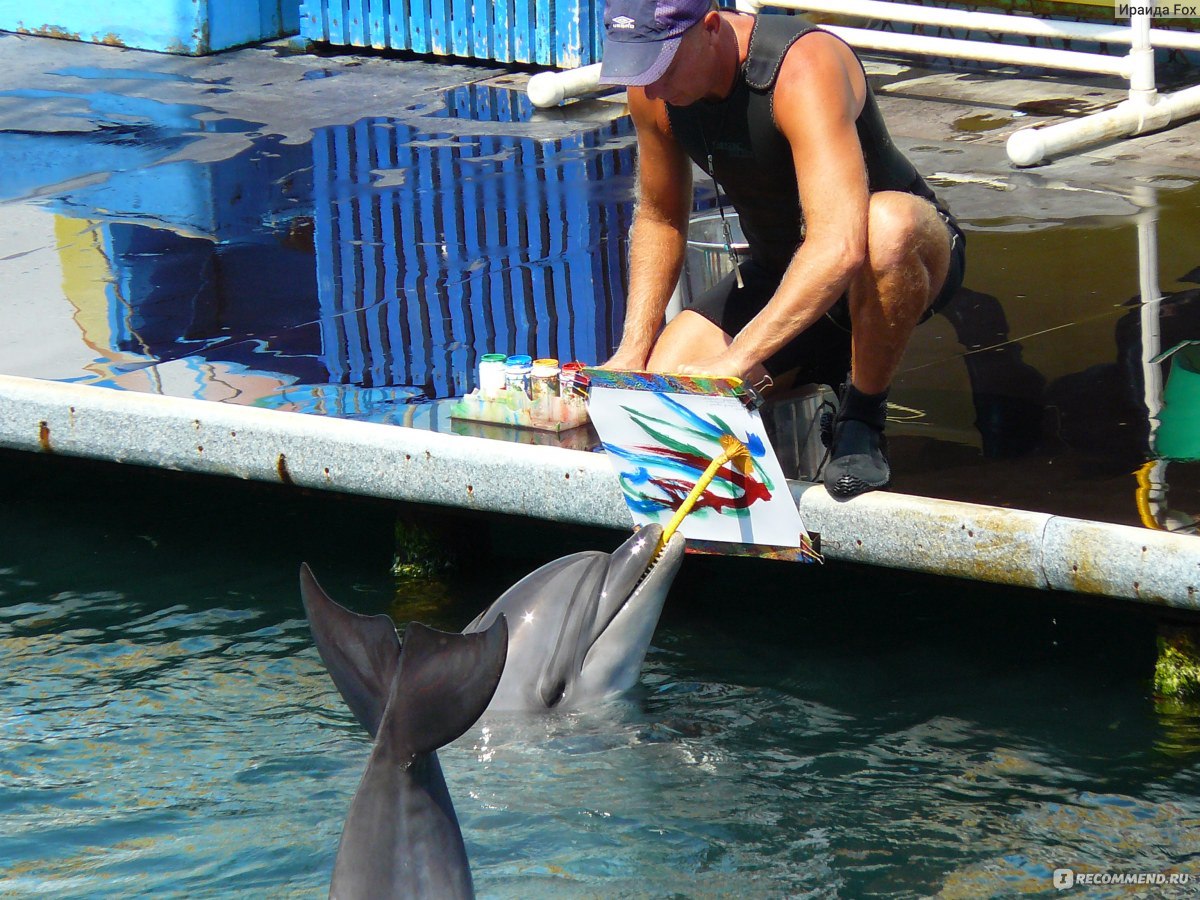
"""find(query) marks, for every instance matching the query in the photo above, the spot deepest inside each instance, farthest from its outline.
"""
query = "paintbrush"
(733, 450)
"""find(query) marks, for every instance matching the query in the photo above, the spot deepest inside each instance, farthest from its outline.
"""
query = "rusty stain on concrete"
(51, 31)
(1154, 573)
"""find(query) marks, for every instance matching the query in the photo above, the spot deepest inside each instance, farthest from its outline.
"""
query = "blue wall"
(562, 33)
(175, 26)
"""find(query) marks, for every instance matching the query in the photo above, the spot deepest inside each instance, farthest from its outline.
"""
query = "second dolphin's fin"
(444, 683)
(360, 652)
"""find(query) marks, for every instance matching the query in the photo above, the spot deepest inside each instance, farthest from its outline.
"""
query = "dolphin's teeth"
(650, 568)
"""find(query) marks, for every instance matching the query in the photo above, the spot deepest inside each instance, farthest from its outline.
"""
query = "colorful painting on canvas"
(662, 431)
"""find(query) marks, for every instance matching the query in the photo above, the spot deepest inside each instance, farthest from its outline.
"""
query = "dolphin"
(401, 837)
(578, 627)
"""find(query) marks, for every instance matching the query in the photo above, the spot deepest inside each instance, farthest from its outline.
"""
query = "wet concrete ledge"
(964, 540)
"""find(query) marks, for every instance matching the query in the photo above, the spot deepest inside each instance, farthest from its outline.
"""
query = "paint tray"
(519, 412)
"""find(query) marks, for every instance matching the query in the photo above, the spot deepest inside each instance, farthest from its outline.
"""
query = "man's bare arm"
(659, 233)
(817, 100)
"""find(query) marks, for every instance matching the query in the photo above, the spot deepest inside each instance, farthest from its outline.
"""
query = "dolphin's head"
(579, 627)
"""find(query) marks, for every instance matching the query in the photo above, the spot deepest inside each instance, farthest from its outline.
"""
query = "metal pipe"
(940, 537)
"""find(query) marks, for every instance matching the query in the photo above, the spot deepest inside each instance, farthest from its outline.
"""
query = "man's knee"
(689, 337)
(904, 231)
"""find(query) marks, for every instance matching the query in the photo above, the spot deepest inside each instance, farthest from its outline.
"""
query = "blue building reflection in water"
(433, 248)
(209, 263)
(348, 276)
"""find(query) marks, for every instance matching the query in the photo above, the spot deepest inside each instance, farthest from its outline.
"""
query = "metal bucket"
(706, 261)
(790, 419)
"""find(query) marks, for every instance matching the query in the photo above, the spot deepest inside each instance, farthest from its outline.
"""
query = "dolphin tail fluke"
(444, 683)
(360, 652)
(402, 838)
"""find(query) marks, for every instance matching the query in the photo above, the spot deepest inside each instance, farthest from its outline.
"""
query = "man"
(849, 248)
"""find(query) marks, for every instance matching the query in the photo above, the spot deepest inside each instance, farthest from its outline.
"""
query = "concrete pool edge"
(942, 537)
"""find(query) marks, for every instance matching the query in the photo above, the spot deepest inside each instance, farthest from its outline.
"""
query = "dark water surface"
(169, 729)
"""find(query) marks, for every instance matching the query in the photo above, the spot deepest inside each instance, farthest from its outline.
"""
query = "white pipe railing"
(983, 51)
(1143, 111)
(1137, 115)
(998, 23)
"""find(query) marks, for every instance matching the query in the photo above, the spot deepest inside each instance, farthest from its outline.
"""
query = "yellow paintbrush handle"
(686, 506)
(734, 450)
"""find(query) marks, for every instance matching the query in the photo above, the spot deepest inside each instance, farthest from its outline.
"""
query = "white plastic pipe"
(1146, 198)
(1141, 59)
(1030, 146)
(548, 89)
(1013, 54)
(992, 22)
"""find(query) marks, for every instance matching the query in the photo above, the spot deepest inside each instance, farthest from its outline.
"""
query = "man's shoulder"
(787, 46)
(818, 62)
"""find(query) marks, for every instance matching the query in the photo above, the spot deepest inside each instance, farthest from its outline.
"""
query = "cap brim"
(636, 63)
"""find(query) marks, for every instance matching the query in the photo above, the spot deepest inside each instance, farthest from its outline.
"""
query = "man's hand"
(723, 365)
(626, 360)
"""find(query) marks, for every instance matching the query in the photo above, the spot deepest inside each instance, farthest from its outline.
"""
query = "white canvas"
(659, 445)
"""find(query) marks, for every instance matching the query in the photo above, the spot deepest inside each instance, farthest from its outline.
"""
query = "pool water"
(169, 729)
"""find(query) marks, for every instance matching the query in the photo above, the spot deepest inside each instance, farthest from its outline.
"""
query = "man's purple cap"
(641, 37)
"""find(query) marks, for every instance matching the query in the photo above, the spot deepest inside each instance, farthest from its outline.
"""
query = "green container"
(1178, 435)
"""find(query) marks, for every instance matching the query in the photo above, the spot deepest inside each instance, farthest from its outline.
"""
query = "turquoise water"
(169, 729)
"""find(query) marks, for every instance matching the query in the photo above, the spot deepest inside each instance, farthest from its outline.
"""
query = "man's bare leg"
(690, 337)
(908, 255)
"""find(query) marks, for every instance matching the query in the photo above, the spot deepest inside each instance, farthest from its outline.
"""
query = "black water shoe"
(858, 449)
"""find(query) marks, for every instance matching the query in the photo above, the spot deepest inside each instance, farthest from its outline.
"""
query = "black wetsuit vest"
(752, 160)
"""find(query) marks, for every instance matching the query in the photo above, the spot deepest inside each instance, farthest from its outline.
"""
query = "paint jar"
(573, 400)
(566, 379)
(544, 386)
(518, 371)
(491, 375)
